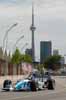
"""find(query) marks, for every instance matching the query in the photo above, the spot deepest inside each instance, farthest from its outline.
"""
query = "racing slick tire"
(6, 85)
(6, 82)
(50, 85)
(33, 86)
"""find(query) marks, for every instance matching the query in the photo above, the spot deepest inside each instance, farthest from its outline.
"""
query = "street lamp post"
(6, 35)
(18, 40)
(24, 46)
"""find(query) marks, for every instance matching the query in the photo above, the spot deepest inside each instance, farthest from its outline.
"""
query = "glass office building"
(45, 50)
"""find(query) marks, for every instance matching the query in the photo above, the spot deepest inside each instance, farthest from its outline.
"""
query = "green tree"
(16, 57)
(53, 62)
(40, 67)
(26, 58)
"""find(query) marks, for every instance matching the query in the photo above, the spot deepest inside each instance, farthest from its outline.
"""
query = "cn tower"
(32, 28)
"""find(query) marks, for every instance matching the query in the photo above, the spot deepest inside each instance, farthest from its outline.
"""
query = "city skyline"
(50, 20)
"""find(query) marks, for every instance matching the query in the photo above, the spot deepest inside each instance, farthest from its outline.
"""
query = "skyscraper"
(45, 50)
(55, 52)
(28, 51)
(32, 28)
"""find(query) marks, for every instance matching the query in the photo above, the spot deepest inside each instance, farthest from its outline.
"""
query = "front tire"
(33, 86)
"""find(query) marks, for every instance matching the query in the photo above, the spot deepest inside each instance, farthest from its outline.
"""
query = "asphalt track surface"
(58, 94)
(40, 95)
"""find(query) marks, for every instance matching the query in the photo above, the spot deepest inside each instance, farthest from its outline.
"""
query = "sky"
(50, 22)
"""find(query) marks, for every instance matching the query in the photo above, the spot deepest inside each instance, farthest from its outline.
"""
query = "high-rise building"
(55, 52)
(29, 52)
(32, 28)
(62, 60)
(45, 50)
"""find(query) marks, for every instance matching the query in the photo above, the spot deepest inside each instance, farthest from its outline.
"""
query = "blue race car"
(32, 83)
(25, 85)
(21, 85)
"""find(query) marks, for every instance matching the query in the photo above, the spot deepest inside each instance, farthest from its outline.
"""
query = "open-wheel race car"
(20, 85)
(32, 83)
